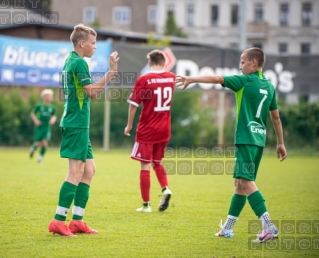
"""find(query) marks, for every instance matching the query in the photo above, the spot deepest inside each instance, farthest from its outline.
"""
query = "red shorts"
(148, 152)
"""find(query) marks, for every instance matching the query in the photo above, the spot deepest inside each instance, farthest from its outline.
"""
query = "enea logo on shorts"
(256, 127)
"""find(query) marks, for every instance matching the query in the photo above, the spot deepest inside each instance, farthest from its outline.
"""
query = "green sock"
(80, 200)
(42, 151)
(257, 203)
(66, 197)
(237, 204)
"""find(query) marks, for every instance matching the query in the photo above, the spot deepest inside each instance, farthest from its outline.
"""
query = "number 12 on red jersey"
(163, 93)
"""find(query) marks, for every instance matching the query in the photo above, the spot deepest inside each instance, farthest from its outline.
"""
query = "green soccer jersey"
(44, 113)
(76, 102)
(255, 97)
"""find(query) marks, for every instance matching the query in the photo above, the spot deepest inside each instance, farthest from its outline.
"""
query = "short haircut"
(256, 53)
(81, 32)
(46, 92)
(156, 57)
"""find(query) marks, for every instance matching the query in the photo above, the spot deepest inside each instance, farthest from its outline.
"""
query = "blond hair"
(46, 92)
(81, 32)
(156, 57)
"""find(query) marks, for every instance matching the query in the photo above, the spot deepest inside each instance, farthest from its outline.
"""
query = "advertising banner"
(26, 62)
(288, 74)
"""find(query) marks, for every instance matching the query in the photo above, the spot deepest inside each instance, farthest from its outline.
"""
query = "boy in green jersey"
(255, 98)
(43, 116)
(78, 89)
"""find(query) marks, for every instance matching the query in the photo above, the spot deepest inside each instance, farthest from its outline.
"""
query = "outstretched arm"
(184, 81)
(92, 90)
(281, 150)
(131, 114)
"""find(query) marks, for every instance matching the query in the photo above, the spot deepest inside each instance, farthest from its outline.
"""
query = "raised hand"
(182, 81)
(113, 61)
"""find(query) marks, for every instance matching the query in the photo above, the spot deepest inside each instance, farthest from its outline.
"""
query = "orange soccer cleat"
(79, 226)
(59, 227)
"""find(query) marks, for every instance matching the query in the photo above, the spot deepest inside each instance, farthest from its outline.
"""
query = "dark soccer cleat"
(164, 203)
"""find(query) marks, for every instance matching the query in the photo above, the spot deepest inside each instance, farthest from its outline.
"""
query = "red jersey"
(155, 90)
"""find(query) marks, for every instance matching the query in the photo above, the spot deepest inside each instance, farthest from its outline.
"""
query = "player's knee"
(90, 171)
(93, 170)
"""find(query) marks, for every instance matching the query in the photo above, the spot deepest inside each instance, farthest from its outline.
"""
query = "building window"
(214, 14)
(284, 14)
(121, 15)
(233, 45)
(282, 48)
(152, 14)
(190, 14)
(305, 49)
(259, 12)
(170, 8)
(234, 14)
(259, 45)
(306, 14)
(89, 14)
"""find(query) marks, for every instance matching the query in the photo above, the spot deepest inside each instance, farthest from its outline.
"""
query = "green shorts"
(76, 144)
(248, 158)
(42, 133)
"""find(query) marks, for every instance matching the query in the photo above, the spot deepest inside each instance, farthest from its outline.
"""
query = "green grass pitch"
(29, 192)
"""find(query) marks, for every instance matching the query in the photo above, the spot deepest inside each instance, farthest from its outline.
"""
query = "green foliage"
(300, 125)
(152, 41)
(171, 29)
(192, 122)
(229, 127)
(96, 23)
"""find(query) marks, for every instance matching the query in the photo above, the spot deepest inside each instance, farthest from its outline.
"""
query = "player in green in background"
(255, 98)
(78, 89)
(43, 116)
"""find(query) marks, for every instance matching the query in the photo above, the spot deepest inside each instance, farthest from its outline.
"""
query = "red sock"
(145, 185)
(161, 174)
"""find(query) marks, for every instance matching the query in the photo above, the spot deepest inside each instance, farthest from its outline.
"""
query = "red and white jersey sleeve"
(155, 90)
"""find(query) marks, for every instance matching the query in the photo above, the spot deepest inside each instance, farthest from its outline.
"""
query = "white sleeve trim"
(133, 103)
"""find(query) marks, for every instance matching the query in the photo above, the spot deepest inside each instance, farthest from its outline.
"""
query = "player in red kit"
(155, 90)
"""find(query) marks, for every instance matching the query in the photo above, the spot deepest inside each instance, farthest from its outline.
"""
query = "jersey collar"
(159, 71)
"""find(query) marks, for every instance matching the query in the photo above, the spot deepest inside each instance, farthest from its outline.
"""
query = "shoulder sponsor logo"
(256, 128)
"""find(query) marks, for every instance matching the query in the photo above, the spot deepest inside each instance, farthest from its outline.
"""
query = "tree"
(152, 41)
(171, 29)
(96, 23)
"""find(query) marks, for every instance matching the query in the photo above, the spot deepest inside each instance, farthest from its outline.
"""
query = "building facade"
(121, 15)
(277, 26)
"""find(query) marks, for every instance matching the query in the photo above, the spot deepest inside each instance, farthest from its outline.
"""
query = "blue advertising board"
(30, 62)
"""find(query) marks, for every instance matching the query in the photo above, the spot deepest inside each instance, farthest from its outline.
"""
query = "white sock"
(230, 222)
(266, 222)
